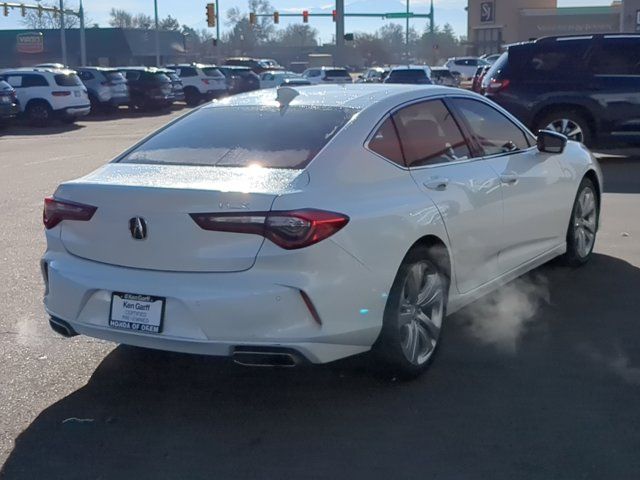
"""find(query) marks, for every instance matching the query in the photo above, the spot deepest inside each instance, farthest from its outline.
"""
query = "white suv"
(201, 82)
(467, 66)
(45, 93)
(327, 75)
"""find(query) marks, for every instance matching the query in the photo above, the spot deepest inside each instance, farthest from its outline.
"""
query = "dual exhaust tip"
(245, 356)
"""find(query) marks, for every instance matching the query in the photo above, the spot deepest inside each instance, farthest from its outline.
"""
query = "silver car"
(107, 87)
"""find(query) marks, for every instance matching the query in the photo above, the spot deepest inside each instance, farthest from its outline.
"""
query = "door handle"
(437, 184)
(509, 178)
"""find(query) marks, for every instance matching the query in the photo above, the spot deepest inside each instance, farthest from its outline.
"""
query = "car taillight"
(55, 211)
(205, 81)
(495, 86)
(61, 93)
(290, 230)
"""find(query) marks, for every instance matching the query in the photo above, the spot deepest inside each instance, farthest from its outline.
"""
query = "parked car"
(200, 82)
(150, 251)
(476, 85)
(9, 106)
(296, 82)
(107, 87)
(467, 66)
(46, 93)
(149, 88)
(177, 88)
(417, 75)
(443, 76)
(491, 59)
(240, 79)
(586, 87)
(270, 79)
(256, 65)
(56, 66)
(374, 75)
(327, 75)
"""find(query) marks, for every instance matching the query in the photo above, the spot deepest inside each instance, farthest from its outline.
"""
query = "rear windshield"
(441, 73)
(212, 72)
(408, 74)
(68, 80)
(218, 136)
(114, 76)
(157, 77)
(338, 73)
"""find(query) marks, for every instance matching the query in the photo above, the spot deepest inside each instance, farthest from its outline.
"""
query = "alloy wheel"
(420, 313)
(568, 128)
(585, 222)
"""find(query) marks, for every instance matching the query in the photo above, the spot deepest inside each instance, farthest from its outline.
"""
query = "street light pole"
(340, 60)
(155, 8)
(407, 33)
(83, 44)
(63, 38)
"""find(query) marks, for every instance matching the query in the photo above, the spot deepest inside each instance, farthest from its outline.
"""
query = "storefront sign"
(31, 42)
(487, 12)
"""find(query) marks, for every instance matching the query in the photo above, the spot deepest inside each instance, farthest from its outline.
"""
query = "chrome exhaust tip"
(259, 357)
(61, 327)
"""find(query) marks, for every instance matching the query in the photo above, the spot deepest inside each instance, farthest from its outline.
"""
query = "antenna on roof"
(286, 96)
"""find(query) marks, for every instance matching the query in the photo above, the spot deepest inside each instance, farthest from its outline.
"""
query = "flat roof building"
(495, 23)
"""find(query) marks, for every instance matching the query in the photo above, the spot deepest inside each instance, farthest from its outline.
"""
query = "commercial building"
(494, 23)
(105, 47)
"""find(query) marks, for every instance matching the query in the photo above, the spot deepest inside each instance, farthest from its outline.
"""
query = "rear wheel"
(583, 227)
(192, 97)
(39, 114)
(569, 123)
(413, 315)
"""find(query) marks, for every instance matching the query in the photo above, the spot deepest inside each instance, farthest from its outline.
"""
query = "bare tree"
(120, 18)
(34, 20)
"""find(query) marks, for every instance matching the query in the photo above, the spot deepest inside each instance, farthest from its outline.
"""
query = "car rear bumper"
(119, 100)
(9, 110)
(76, 111)
(215, 313)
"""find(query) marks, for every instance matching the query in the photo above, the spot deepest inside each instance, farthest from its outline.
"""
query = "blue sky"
(191, 12)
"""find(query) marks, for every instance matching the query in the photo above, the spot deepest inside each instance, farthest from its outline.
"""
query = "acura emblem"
(138, 228)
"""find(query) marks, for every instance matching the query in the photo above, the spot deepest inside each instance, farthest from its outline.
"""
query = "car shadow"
(22, 129)
(621, 174)
(556, 403)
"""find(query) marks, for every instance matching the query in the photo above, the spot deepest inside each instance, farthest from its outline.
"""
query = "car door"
(466, 191)
(533, 185)
(615, 66)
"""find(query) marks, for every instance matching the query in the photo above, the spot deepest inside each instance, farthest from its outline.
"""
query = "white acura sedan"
(279, 227)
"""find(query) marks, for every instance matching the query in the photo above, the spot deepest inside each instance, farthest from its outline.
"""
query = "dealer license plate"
(138, 313)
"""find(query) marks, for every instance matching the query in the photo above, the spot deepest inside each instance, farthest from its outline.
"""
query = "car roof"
(411, 67)
(355, 95)
(37, 70)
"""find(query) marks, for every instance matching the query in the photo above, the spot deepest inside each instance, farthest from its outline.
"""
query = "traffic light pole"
(63, 38)
(340, 43)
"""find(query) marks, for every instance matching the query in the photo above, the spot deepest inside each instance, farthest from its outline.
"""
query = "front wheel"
(571, 124)
(583, 226)
(413, 315)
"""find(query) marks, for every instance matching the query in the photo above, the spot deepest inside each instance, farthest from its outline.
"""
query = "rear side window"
(386, 143)
(186, 72)
(494, 132)
(34, 81)
(338, 73)
(616, 56)
(552, 60)
(67, 80)
(14, 80)
(429, 135)
(217, 136)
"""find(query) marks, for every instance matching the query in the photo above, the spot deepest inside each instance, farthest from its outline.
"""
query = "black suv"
(149, 88)
(586, 87)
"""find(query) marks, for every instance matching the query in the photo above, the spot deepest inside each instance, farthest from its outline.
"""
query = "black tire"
(192, 97)
(575, 255)
(39, 113)
(557, 119)
(95, 104)
(395, 337)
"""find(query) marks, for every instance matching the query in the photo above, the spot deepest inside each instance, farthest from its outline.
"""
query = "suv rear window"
(156, 77)
(217, 136)
(212, 72)
(114, 76)
(337, 73)
(406, 75)
(68, 80)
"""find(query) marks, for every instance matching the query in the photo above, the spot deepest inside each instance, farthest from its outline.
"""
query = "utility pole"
(83, 44)
(407, 34)
(340, 42)
(155, 8)
(63, 38)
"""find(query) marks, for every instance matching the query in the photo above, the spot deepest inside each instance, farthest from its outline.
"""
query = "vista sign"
(30, 42)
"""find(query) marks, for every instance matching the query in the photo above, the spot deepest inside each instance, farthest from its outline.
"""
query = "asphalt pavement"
(538, 381)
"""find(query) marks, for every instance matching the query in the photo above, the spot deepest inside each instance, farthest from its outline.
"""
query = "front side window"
(217, 136)
(560, 59)
(386, 143)
(186, 72)
(429, 135)
(494, 132)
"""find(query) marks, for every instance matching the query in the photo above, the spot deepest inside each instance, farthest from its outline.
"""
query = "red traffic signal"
(252, 18)
(334, 14)
(211, 15)
(305, 16)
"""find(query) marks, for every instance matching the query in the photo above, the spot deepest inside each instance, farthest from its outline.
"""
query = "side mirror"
(551, 142)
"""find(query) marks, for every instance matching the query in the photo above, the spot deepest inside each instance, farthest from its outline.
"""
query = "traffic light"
(252, 18)
(348, 37)
(276, 17)
(305, 16)
(215, 42)
(23, 10)
(334, 14)
(211, 15)
(6, 10)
